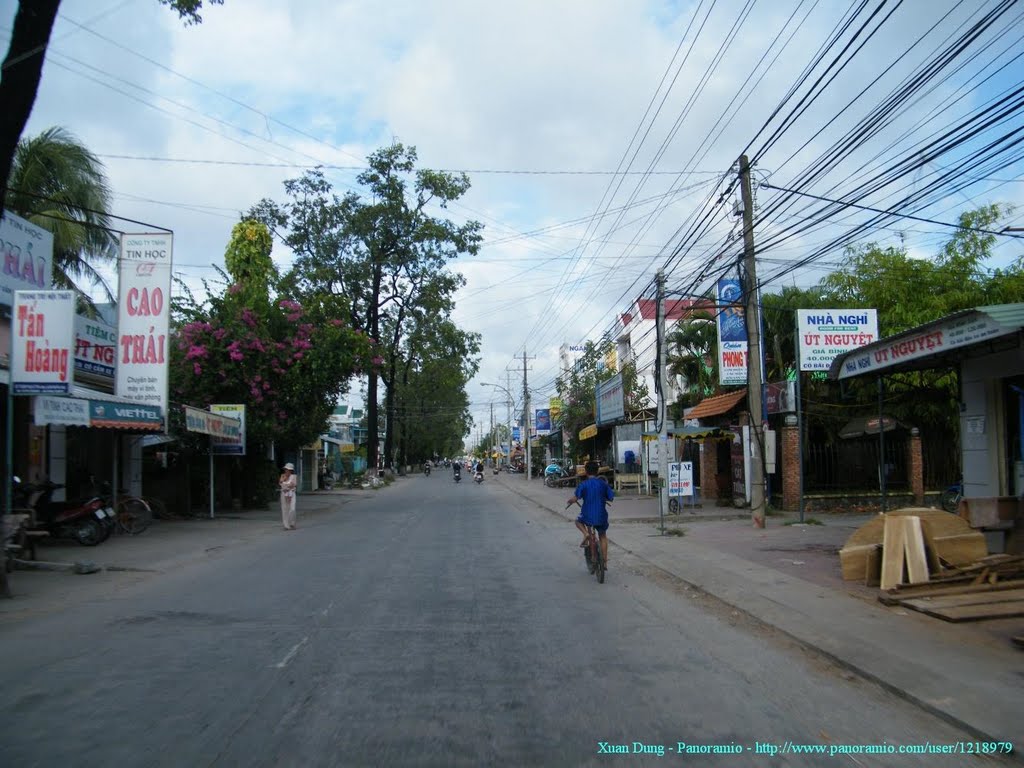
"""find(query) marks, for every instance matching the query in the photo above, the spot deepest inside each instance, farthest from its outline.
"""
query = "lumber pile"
(947, 541)
(931, 561)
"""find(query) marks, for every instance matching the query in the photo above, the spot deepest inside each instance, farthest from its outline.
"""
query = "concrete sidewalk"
(788, 577)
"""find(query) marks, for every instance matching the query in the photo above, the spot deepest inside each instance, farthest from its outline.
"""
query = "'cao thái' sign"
(42, 342)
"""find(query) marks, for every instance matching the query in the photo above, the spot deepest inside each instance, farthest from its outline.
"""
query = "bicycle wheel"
(158, 508)
(599, 565)
(673, 506)
(133, 515)
(951, 500)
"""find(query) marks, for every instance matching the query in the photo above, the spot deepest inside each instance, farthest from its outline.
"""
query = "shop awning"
(940, 343)
(90, 408)
(717, 405)
(868, 425)
(588, 432)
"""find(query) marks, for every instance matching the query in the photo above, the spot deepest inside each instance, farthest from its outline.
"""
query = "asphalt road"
(431, 624)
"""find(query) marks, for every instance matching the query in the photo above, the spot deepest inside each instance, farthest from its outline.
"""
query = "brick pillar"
(709, 470)
(915, 466)
(790, 465)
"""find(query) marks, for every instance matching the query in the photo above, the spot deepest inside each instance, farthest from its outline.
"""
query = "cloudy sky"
(600, 136)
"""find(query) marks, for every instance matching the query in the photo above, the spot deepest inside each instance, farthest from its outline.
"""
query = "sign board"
(226, 445)
(732, 333)
(610, 400)
(680, 478)
(42, 340)
(824, 334)
(206, 423)
(68, 411)
(780, 397)
(938, 337)
(143, 317)
(515, 433)
(26, 257)
(588, 432)
(95, 345)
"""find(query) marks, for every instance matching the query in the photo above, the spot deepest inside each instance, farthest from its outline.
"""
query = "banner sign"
(26, 252)
(680, 478)
(206, 423)
(588, 432)
(515, 433)
(732, 333)
(542, 420)
(555, 406)
(42, 340)
(610, 399)
(824, 334)
(69, 411)
(95, 344)
(106, 413)
(939, 337)
(227, 445)
(143, 317)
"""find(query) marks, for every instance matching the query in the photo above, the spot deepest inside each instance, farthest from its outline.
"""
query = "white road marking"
(292, 653)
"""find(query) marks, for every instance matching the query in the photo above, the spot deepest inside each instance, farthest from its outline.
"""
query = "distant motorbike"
(458, 474)
(478, 476)
(88, 521)
(426, 468)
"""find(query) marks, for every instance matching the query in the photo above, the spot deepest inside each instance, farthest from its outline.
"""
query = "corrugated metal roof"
(1010, 315)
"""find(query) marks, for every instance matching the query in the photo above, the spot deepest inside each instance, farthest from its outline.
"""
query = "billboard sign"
(542, 419)
(824, 334)
(143, 317)
(42, 342)
(732, 333)
(26, 257)
(229, 445)
(610, 399)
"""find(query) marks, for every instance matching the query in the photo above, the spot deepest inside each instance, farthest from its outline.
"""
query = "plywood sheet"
(940, 523)
(962, 549)
(974, 598)
(893, 551)
(913, 540)
(977, 612)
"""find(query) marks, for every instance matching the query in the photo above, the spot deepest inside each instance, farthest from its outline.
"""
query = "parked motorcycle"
(555, 476)
(88, 521)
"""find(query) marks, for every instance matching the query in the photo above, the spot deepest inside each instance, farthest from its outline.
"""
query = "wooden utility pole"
(754, 381)
(662, 404)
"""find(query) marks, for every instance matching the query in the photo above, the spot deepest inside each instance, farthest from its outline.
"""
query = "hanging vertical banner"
(42, 342)
(542, 419)
(732, 333)
(143, 317)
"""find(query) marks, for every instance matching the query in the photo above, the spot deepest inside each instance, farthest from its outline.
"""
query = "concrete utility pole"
(662, 405)
(526, 419)
(491, 457)
(754, 381)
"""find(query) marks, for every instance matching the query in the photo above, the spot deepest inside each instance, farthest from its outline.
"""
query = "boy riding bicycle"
(595, 494)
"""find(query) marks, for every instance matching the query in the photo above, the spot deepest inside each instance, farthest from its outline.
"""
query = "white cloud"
(523, 86)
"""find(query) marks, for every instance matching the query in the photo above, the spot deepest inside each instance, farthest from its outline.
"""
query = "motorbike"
(556, 476)
(458, 475)
(88, 521)
(478, 476)
(426, 469)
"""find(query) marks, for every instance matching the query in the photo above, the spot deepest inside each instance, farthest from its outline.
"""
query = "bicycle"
(592, 551)
(951, 497)
(133, 514)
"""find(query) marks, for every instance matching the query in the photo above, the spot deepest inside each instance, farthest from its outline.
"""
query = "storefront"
(985, 346)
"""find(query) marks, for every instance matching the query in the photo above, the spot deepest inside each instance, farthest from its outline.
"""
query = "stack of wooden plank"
(992, 588)
(921, 542)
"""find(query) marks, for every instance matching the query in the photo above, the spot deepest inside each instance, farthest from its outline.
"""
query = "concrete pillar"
(915, 466)
(790, 465)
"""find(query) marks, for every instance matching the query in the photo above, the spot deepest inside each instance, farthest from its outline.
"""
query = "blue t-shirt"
(594, 492)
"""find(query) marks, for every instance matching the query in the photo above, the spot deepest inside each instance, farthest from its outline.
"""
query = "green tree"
(23, 67)
(692, 355)
(289, 362)
(59, 185)
(379, 253)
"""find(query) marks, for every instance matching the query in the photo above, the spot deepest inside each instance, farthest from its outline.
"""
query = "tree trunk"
(22, 70)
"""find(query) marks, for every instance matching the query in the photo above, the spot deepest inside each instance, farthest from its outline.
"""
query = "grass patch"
(675, 532)
(771, 511)
(807, 521)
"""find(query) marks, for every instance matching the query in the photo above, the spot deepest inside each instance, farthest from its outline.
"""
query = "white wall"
(983, 422)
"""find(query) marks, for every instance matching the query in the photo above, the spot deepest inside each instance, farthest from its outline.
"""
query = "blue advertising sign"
(543, 420)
